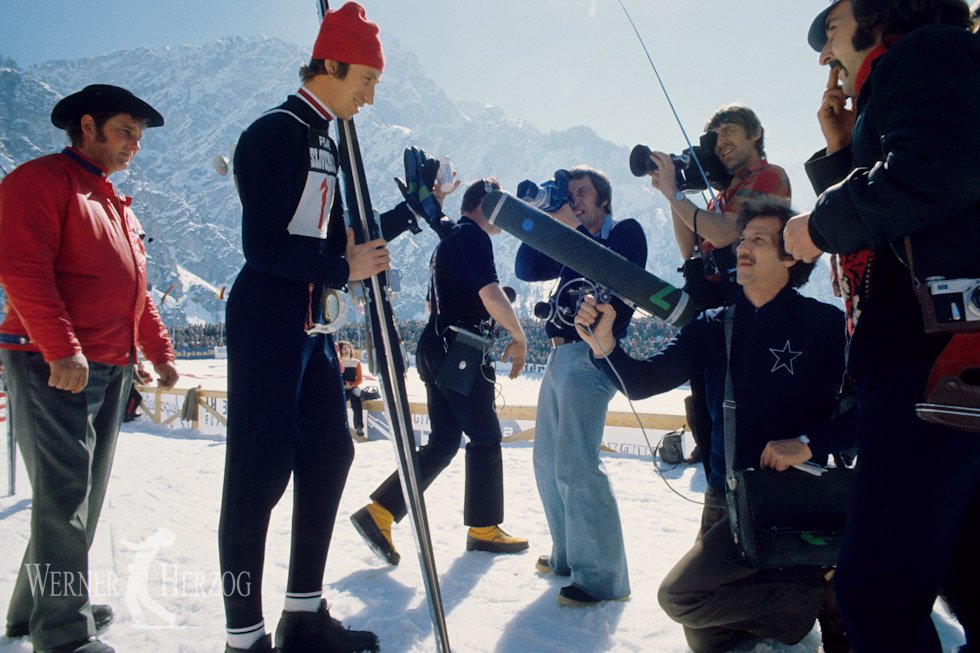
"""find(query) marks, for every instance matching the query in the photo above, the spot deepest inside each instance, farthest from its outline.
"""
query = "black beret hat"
(103, 96)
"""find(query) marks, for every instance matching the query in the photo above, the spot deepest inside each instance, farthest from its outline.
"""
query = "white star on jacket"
(784, 357)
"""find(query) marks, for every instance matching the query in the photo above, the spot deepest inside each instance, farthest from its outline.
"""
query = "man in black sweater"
(786, 364)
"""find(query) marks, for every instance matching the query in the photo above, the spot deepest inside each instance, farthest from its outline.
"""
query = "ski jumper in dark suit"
(286, 405)
(912, 169)
(461, 265)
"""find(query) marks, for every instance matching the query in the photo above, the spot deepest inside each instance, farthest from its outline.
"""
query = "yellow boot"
(373, 522)
(493, 539)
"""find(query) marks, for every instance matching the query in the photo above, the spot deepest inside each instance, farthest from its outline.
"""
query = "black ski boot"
(318, 632)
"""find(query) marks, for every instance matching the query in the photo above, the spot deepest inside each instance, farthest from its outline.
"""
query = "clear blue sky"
(554, 63)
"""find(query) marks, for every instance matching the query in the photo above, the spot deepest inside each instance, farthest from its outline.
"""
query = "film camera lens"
(686, 173)
(973, 305)
(640, 163)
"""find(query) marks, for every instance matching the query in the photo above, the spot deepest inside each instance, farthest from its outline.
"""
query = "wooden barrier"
(523, 413)
(204, 400)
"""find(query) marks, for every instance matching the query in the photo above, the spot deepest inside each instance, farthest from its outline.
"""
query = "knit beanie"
(347, 36)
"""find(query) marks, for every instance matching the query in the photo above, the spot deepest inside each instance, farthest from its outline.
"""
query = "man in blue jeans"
(587, 538)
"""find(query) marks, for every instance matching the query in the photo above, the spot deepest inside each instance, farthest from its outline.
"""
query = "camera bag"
(788, 519)
(928, 305)
(952, 396)
(463, 362)
(953, 391)
(782, 519)
(671, 449)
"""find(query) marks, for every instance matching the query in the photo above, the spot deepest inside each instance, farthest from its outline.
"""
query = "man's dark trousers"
(67, 441)
(907, 513)
(450, 415)
(722, 602)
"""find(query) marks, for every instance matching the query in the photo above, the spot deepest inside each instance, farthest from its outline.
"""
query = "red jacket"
(73, 266)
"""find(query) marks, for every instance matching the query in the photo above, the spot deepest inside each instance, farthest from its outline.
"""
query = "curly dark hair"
(739, 114)
(775, 207)
(896, 17)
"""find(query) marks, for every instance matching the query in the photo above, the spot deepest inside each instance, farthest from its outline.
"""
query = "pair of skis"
(390, 363)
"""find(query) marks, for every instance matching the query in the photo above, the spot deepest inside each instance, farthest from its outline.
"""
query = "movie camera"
(686, 173)
(549, 196)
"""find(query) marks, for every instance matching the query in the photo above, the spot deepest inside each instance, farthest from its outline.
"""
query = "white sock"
(302, 602)
(243, 638)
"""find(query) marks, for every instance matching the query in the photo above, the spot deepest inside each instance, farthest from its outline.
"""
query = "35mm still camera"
(956, 300)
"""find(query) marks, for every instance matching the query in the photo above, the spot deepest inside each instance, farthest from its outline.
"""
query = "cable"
(639, 423)
(670, 103)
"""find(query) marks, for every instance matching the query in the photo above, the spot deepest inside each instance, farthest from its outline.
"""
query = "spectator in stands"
(352, 383)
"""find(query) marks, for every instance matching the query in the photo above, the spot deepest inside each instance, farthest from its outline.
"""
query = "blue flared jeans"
(578, 499)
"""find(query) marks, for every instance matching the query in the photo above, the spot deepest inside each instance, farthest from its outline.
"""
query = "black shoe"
(263, 645)
(374, 524)
(305, 632)
(90, 645)
(100, 612)
(573, 596)
(543, 565)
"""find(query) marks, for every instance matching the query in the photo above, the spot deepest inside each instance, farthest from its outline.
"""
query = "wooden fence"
(206, 400)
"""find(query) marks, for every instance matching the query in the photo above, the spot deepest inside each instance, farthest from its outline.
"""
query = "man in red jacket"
(74, 270)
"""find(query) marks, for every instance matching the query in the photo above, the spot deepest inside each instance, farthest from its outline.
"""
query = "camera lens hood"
(640, 163)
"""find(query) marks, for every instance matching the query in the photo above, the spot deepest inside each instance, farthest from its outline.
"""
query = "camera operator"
(741, 150)
(904, 177)
(587, 537)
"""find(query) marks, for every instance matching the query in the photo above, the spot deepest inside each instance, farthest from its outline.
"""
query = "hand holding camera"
(664, 176)
(686, 174)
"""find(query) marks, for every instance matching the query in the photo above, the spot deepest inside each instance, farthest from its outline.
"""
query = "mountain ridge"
(209, 93)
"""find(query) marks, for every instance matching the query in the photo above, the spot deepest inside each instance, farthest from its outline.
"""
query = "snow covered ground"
(155, 554)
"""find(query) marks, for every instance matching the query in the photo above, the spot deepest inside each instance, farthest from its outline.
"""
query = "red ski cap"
(347, 36)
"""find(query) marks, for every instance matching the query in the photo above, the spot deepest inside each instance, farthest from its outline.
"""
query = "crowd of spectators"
(646, 335)
(198, 336)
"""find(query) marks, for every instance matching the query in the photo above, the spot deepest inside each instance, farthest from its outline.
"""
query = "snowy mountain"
(209, 94)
